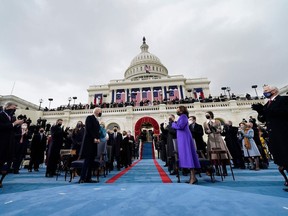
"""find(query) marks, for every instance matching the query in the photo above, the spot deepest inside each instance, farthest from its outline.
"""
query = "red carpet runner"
(164, 177)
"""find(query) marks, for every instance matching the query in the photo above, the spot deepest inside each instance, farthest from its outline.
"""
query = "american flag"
(147, 69)
(198, 91)
(174, 93)
(98, 99)
(120, 97)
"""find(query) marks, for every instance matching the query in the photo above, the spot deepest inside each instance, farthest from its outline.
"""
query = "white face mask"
(190, 122)
(24, 126)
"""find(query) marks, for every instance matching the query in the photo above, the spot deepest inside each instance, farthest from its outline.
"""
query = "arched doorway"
(146, 122)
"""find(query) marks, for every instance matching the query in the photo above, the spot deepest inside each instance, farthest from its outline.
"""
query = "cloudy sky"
(58, 48)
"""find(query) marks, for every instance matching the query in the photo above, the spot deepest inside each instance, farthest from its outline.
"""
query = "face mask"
(207, 117)
(41, 131)
(10, 112)
(99, 114)
(190, 121)
(59, 124)
(170, 120)
(115, 130)
(267, 94)
(178, 113)
(24, 126)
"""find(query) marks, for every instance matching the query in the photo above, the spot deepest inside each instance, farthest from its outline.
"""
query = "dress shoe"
(29, 170)
(81, 181)
(173, 173)
(36, 170)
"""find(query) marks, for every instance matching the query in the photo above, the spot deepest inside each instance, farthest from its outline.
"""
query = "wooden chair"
(219, 162)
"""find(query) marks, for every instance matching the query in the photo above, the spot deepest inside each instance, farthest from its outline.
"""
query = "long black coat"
(197, 134)
(276, 117)
(7, 139)
(38, 147)
(92, 127)
(115, 143)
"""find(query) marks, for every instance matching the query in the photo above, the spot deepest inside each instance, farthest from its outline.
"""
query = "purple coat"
(188, 157)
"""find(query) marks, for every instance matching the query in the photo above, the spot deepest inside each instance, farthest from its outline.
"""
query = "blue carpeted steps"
(140, 191)
(147, 151)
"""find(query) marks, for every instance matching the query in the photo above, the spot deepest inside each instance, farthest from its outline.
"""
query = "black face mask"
(115, 130)
(178, 113)
(41, 131)
(59, 124)
(10, 112)
(99, 114)
(170, 120)
(208, 117)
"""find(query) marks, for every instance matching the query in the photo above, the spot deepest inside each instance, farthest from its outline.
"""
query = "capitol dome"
(145, 65)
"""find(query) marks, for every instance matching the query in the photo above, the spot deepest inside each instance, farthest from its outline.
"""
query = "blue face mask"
(267, 94)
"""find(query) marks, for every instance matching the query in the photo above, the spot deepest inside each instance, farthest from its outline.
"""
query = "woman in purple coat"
(188, 157)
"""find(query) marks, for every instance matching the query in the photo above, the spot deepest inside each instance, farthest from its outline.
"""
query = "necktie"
(269, 102)
(115, 135)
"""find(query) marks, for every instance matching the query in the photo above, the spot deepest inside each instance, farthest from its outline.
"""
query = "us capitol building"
(145, 79)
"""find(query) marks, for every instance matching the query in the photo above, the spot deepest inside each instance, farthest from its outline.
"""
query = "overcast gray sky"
(58, 48)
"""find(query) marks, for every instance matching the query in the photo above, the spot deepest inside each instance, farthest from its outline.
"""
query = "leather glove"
(257, 107)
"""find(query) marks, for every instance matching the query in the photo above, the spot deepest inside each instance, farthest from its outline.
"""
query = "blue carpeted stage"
(140, 190)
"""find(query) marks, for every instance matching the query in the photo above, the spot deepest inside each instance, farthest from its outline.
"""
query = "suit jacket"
(197, 134)
(38, 146)
(7, 139)
(92, 127)
(275, 116)
(115, 143)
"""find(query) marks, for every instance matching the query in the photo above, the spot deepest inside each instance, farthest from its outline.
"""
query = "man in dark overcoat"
(7, 137)
(88, 150)
(275, 114)
(53, 156)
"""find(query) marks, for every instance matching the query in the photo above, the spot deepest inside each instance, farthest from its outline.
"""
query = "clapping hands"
(257, 107)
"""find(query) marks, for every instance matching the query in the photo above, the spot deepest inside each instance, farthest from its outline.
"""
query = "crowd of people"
(147, 102)
(43, 143)
(248, 145)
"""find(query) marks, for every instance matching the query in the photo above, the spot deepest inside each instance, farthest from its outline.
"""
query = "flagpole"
(12, 88)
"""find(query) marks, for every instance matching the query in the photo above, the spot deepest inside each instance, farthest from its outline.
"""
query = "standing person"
(249, 146)
(197, 134)
(230, 133)
(275, 114)
(263, 161)
(212, 128)
(132, 144)
(7, 136)
(89, 146)
(115, 140)
(22, 137)
(125, 150)
(38, 146)
(57, 135)
(188, 157)
(171, 135)
(77, 137)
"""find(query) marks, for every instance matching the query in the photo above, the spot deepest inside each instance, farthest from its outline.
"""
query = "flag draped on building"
(147, 69)
(198, 92)
(120, 97)
(98, 98)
